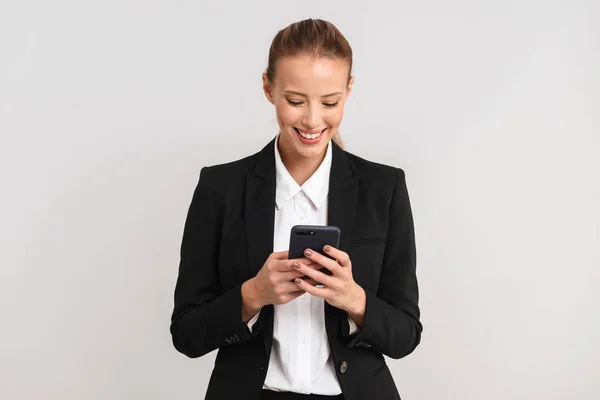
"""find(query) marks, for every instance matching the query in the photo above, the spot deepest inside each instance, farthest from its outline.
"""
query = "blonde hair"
(312, 36)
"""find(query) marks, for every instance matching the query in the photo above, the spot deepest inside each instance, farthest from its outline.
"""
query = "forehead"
(312, 75)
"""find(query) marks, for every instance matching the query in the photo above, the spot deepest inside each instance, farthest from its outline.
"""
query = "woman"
(280, 336)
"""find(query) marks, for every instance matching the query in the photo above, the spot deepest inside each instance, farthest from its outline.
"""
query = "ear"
(349, 88)
(267, 88)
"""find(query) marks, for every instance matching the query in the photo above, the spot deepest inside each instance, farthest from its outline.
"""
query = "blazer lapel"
(259, 214)
(343, 190)
(259, 209)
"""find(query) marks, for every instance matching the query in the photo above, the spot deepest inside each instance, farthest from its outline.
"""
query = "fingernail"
(308, 252)
(296, 265)
(327, 248)
(298, 280)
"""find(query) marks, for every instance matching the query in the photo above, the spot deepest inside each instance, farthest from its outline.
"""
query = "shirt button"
(302, 387)
(303, 341)
(302, 217)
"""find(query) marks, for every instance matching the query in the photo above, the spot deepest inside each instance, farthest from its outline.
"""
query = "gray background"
(109, 109)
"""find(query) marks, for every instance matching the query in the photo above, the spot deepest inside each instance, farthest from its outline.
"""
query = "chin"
(311, 153)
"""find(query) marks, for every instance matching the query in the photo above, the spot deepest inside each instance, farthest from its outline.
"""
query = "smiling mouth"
(310, 136)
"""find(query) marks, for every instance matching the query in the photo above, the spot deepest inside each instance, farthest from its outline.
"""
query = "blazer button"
(343, 367)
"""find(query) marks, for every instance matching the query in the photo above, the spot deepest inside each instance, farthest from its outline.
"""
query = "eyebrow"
(302, 94)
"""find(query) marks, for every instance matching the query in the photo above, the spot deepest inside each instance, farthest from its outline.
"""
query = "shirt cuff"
(253, 320)
(353, 328)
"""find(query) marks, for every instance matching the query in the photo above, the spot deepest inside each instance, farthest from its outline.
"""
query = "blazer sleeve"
(203, 317)
(392, 325)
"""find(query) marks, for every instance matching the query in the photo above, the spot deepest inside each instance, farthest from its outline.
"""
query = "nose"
(312, 117)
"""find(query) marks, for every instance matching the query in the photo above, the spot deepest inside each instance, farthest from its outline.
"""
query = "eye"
(331, 105)
(294, 103)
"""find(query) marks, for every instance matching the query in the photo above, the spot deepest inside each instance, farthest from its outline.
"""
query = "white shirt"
(300, 355)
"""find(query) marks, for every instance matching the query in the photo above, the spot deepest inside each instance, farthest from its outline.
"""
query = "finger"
(342, 257)
(316, 275)
(323, 292)
(304, 260)
(327, 262)
(288, 287)
(291, 275)
(310, 264)
(286, 265)
(279, 255)
(311, 281)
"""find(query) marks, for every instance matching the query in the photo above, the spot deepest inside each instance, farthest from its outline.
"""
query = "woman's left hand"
(340, 290)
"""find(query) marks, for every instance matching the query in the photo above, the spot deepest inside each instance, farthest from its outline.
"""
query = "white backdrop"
(109, 109)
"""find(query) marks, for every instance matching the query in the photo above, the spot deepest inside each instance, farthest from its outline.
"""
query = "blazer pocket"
(367, 255)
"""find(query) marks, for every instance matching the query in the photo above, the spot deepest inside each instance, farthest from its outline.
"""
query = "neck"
(300, 168)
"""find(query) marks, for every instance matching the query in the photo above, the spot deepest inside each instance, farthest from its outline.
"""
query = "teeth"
(309, 135)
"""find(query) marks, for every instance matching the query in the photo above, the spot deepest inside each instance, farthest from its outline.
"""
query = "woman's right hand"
(273, 284)
(275, 280)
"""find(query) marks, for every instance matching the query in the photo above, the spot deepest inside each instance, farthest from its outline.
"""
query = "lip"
(310, 141)
(310, 132)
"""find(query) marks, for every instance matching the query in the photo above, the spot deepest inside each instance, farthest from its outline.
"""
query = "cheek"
(286, 115)
(335, 117)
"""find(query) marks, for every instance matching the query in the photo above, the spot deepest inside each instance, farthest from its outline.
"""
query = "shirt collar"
(316, 187)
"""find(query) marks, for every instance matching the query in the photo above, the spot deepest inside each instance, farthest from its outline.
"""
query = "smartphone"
(313, 237)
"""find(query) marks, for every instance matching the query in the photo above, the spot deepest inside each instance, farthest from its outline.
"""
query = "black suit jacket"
(227, 237)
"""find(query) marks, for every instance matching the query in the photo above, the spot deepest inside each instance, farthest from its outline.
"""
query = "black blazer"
(227, 237)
